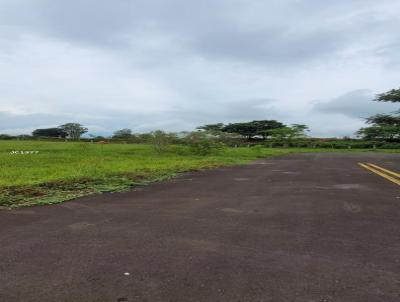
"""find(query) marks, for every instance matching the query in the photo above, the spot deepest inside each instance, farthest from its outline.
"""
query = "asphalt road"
(311, 227)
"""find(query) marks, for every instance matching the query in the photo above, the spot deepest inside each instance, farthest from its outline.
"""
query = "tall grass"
(64, 170)
(68, 161)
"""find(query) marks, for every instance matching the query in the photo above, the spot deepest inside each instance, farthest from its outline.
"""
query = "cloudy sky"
(177, 64)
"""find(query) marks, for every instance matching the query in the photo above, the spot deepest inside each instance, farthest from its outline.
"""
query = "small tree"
(74, 130)
(288, 134)
(300, 130)
(160, 140)
(202, 142)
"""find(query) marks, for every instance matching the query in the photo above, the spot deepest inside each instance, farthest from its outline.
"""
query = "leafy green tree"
(384, 127)
(300, 130)
(385, 133)
(244, 129)
(254, 128)
(281, 134)
(212, 127)
(288, 134)
(384, 120)
(123, 134)
(392, 96)
(74, 130)
(49, 132)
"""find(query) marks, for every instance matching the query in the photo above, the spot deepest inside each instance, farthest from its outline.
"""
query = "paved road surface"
(311, 227)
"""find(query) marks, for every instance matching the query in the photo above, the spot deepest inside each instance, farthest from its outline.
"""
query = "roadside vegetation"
(384, 126)
(56, 164)
(59, 171)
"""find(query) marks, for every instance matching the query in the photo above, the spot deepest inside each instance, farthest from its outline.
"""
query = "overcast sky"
(177, 64)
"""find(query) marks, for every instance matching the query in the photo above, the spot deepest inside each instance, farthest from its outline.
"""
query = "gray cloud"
(28, 122)
(176, 64)
(282, 32)
(105, 122)
(355, 104)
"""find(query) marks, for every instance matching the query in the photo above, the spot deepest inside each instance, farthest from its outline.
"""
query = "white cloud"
(152, 64)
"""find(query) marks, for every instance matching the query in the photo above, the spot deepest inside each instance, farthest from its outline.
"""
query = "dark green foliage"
(123, 134)
(385, 127)
(254, 128)
(331, 143)
(381, 132)
(49, 132)
(390, 96)
(6, 136)
(288, 134)
(70, 130)
(212, 127)
(391, 146)
(384, 120)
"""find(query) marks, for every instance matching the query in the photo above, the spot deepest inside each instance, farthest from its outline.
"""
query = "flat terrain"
(308, 227)
(40, 172)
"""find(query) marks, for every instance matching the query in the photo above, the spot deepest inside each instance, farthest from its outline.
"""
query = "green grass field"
(66, 170)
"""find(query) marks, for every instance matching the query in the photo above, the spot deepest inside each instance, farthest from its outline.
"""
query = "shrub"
(391, 146)
(201, 144)
(160, 140)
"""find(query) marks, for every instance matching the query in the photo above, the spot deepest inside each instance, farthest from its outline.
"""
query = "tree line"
(382, 128)
(251, 131)
(254, 130)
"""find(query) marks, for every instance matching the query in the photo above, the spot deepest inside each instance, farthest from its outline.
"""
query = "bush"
(201, 144)
(390, 146)
(160, 140)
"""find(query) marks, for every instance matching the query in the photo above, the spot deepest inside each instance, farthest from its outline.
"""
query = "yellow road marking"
(385, 170)
(390, 178)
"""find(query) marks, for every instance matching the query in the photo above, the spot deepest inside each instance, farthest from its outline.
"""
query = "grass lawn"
(66, 170)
